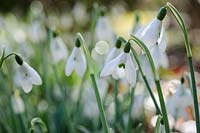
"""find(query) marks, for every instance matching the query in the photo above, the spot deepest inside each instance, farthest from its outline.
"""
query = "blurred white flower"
(77, 62)
(17, 103)
(37, 31)
(103, 30)
(101, 47)
(138, 107)
(80, 14)
(176, 104)
(43, 106)
(124, 62)
(58, 49)
(188, 127)
(27, 77)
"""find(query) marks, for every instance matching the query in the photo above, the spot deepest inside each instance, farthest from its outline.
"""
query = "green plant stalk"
(145, 80)
(92, 76)
(158, 122)
(128, 128)
(180, 21)
(117, 106)
(100, 105)
(156, 80)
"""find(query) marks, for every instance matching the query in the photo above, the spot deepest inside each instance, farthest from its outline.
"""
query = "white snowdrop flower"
(150, 34)
(37, 31)
(188, 127)
(158, 51)
(115, 51)
(103, 30)
(58, 49)
(27, 76)
(125, 61)
(176, 104)
(80, 15)
(17, 103)
(101, 47)
(76, 61)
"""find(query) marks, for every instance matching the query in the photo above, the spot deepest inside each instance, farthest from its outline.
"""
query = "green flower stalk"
(156, 80)
(180, 21)
(158, 122)
(92, 76)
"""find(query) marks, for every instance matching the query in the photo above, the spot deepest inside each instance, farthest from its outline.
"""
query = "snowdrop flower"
(122, 62)
(27, 76)
(176, 104)
(17, 103)
(150, 34)
(103, 30)
(188, 127)
(76, 61)
(114, 51)
(58, 48)
(158, 51)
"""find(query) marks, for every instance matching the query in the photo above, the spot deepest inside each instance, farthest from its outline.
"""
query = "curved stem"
(145, 80)
(180, 21)
(156, 80)
(158, 122)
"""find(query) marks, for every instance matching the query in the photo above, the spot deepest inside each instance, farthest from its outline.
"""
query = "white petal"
(110, 67)
(71, 62)
(81, 64)
(34, 76)
(118, 73)
(164, 62)
(58, 49)
(151, 32)
(156, 53)
(130, 71)
(162, 42)
(113, 53)
(101, 47)
(26, 86)
(103, 30)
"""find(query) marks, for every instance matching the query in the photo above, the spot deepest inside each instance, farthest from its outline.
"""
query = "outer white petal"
(156, 53)
(113, 53)
(33, 75)
(103, 30)
(81, 64)
(58, 49)
(71, 62)
(26, 86)
(130, 71)
(162, 41)
(164, 62)
(110, 67)
(151, 32)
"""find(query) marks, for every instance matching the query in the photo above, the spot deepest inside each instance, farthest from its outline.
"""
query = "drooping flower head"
(123, 63)
(27, 76)
(76, 61)
(150, 34)
(57, 48)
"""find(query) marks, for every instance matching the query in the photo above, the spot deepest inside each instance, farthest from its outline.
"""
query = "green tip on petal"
(18, 59)
(162, 13)
(182, 80)
(78, 43)
(127, 47)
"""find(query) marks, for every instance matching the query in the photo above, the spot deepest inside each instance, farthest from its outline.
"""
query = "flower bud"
(161, 13)
(18, 59)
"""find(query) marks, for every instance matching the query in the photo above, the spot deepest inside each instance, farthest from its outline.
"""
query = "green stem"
(158, 122)
(145, 80)
(117, 106)
(180, 21)
(156, 80)
(128, 128)
(99, 102)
